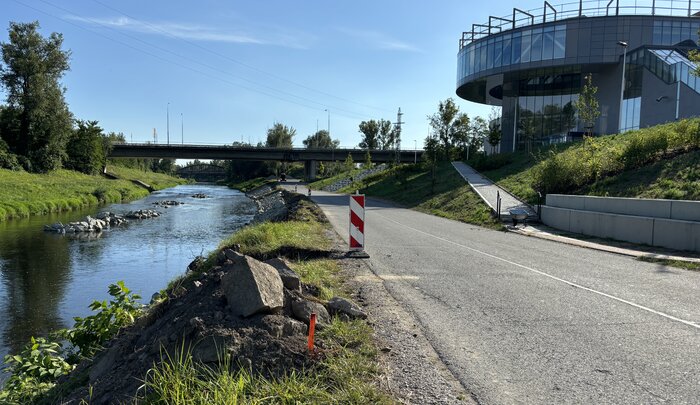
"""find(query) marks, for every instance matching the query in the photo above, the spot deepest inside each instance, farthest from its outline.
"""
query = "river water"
(46, 279)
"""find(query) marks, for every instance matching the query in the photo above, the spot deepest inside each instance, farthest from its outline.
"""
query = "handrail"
(578, 9)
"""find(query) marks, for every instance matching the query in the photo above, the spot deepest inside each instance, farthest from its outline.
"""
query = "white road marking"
(571, 283)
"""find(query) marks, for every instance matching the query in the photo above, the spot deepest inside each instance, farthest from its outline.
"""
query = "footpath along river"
(46, 279)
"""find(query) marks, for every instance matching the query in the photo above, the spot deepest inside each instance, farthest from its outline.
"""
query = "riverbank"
(24, 194)
(192, 341)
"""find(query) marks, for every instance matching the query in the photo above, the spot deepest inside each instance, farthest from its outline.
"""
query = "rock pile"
(167, 203)
(251, 311)
(142, 214)
(87, 224)
(199, 195)
(360, 176)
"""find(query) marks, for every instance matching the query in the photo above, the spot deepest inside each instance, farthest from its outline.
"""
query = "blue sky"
(235, 68)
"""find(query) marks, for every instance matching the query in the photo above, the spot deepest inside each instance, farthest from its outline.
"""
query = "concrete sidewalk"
(489, 191)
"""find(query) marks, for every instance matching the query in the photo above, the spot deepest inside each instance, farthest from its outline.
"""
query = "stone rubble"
(142, 214)
(87, 224)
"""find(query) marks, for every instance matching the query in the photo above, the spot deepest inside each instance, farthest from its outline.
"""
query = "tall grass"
(158, 181)
(270, 239)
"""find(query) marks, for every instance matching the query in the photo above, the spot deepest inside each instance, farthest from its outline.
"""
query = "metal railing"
(590, 8)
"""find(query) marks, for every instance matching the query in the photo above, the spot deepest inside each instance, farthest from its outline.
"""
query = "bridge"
(203, 172)
(310, 157)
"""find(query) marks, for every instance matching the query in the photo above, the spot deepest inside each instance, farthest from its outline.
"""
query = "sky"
(227, 71)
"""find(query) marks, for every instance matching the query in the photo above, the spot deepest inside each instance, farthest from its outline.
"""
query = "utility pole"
(397, 135)
(155, 136)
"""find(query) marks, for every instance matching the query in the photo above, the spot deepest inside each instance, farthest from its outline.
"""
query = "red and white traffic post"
(357, 223)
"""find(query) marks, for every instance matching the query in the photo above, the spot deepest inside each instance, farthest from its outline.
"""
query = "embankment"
(24, 194)
(234, 328)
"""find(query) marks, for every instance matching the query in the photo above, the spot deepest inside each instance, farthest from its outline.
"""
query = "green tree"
(479, 129)
(387, 135)
(321, 140)
(587, 105)
(280, 136)
(85, 149)
(349, 163)
(368, 160)
(370, 134)
(30, 73)
(449, 126)
(495, 133)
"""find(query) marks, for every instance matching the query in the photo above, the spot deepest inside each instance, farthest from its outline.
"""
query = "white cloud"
(379, 40)
(190, 32)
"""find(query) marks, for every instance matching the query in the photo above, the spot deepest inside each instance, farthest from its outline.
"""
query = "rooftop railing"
(590, 8)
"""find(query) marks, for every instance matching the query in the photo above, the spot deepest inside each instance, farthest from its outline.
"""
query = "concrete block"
(629, 206)
(574, 202)
(557, 218)
(613, 226)
(685, 210)
(679, 235)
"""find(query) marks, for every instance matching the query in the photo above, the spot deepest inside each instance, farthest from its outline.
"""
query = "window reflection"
(518, 47)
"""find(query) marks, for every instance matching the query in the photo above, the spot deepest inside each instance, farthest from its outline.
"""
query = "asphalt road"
(524, 320)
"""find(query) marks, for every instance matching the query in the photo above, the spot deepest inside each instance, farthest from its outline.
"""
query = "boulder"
(252, 287)
(290, 279)
(338, 306)
(302, 310)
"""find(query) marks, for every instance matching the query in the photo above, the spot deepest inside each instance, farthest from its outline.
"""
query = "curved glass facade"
(532, 45)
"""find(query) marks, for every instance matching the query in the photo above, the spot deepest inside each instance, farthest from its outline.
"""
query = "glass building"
(533, 63)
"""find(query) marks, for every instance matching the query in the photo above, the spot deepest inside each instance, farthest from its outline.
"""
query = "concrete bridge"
(310, 157)
(203, 172)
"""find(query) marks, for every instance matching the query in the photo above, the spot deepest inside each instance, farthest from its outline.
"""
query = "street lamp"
(167, 114)
(329, 121)
(415, 151)
(623, 44)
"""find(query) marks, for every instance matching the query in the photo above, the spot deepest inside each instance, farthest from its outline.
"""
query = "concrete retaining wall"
(668, 233)
(668, 209)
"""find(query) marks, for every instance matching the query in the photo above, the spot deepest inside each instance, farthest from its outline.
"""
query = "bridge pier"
(310, 170)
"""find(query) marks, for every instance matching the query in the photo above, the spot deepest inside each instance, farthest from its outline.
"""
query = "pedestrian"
(309, 192)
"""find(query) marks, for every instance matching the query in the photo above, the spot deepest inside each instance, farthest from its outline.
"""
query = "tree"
(479, 129)
(387, 135)
(448, 125)
(368, 160)
(30, 73)
(587, 105)
(349, 163)
(321, 140)
(495, 133)
(370, 134)
(280, 136)
(85, 148)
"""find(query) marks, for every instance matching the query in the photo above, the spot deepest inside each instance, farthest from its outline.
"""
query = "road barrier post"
(357, 225)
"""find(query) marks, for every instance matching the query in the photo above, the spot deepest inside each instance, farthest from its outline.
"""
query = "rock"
(302, 310)
(290, 279)
(211, 349)
(104, 364)
(252, 287)
(194, 264)
(338, 305)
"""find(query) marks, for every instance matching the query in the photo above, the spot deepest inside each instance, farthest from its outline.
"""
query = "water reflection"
(46, 279)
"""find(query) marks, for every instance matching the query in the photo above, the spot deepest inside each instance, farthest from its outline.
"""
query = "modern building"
(533, 63)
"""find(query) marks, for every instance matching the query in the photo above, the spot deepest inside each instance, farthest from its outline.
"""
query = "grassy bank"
(251, 184)
(412, 186)
(317, 185)
(655, 162)
(23, 194)
(158, 181)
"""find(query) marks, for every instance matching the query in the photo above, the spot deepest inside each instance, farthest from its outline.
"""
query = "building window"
(631, 110)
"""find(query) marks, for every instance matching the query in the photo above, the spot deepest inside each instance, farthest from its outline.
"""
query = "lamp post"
(415, 151)
(329, 121)
(623, 44)
(167, 114)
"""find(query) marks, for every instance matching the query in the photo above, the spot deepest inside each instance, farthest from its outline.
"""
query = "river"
(46, 279)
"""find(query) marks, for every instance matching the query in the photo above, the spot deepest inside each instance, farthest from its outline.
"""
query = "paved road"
(524, 320)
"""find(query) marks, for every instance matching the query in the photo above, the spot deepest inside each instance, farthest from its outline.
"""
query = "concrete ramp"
(489, 192)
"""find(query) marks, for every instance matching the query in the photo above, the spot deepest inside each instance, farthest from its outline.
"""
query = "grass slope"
(655, 162)
(23, 194)
(158, 181)
(410, 185)
(251, 184)
(317, 185)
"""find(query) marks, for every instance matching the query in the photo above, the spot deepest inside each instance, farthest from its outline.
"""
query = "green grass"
(271, 239)
(23, 194)
(251, 184)
(322, 273)
(654, 162)
(411, 186)
(672, 263)
(158, 181)
(346, 376)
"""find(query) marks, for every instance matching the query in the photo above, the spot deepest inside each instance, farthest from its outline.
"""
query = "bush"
(7, 159)
(483, 162)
